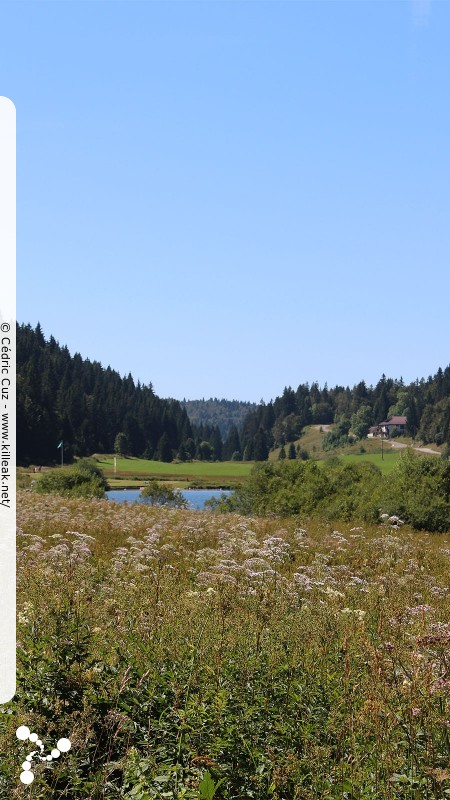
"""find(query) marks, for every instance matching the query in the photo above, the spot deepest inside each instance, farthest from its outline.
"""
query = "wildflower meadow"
(198, 655)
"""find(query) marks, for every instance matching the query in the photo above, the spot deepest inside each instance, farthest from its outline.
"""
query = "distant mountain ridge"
(218, 413)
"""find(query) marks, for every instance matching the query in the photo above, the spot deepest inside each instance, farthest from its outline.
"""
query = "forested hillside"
(60, 396)
(425, 403)
(221, 413)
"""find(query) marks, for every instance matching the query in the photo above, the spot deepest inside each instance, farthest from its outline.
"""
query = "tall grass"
(191, 655)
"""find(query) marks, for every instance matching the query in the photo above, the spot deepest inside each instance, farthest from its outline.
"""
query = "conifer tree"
(232, 443)
(164, 451)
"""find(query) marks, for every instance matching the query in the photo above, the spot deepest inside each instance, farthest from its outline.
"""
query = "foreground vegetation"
(193, 655)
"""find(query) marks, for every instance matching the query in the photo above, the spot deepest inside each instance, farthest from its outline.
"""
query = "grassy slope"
(312, 438)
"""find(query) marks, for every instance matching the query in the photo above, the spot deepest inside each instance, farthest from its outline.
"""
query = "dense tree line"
(63, 397)
(425, 403)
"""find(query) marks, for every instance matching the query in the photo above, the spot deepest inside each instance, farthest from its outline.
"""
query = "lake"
(196, 497)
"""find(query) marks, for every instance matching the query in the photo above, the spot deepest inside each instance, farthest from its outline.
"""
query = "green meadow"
(132, 471)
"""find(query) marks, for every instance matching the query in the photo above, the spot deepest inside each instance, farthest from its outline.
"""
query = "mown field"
(193, 655)
(132, 471)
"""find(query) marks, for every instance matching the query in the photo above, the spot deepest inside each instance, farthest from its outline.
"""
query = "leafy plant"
(155, 494)
(84, 479)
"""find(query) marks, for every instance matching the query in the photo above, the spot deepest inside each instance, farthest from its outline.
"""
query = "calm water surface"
(196, 497)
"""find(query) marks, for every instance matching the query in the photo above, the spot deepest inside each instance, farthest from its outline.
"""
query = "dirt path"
(401, 446)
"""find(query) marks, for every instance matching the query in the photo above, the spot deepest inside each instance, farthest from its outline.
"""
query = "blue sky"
(224, 198)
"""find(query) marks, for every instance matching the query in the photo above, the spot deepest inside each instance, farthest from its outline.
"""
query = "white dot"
(27, 777)
(33, 737)
(63, 745)
(23, 732)
(55, 753)
(26, 765)
(49, 758)
(29, 758)
(38, 742)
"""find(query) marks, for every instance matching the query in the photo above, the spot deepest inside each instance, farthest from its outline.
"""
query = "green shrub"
(418, 491)
(339, 436)
(155, 494)
(83, 480)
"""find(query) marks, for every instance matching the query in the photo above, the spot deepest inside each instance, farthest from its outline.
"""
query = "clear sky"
(225, 198)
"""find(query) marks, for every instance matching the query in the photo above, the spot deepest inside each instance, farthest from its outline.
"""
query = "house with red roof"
(395, 423)
(386, 428)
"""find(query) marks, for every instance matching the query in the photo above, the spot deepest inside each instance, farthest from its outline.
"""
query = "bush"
(155, 494)
(302, 453)
(446, 452)
(85, 479)
(339, 436)
(418, 490)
